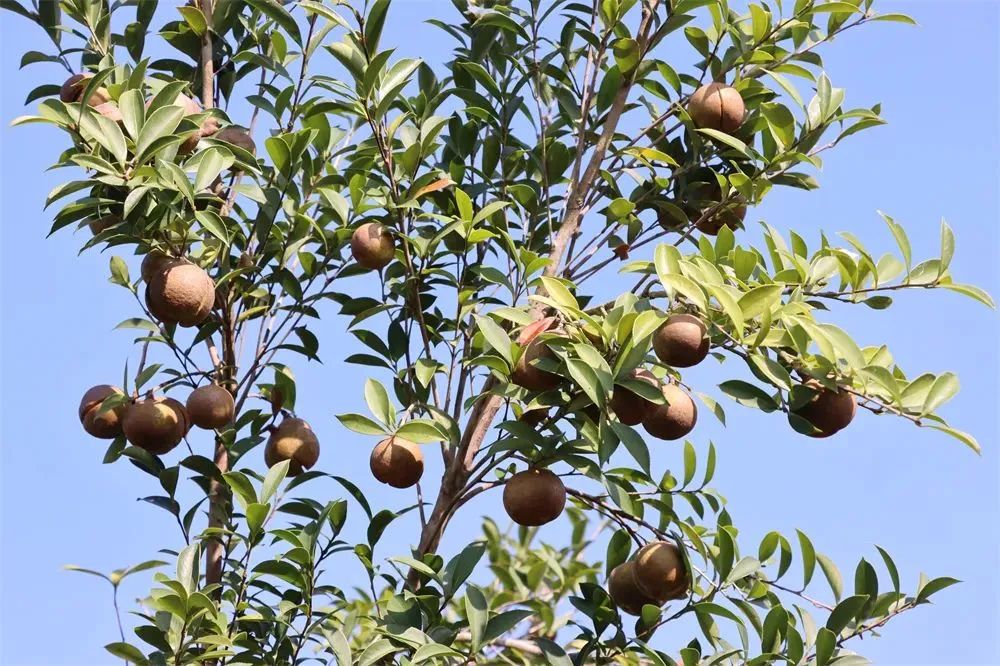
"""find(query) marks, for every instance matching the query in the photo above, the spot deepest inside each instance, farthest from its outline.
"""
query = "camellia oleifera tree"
(256, 156)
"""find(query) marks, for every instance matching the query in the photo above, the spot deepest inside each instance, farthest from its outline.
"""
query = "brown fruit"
(182, 293)
(534, 417)
(154, 262)
(100, 224)
(209, 126)
(660, 572)
(110, 111)
(105, 424)
(828, 411)
(72, 90)
(717, 106)
(673, 420)
(397, 462)
(681, 341)
(156, 424)
(239, 137)
(526, 374)
(293, 440)
(372, 246)
(210, 407)
(628, 405)
(732, 216)
(534, 497)
(625, 592)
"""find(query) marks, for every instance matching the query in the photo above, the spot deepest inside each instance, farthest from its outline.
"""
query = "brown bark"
(217, 495)
(456, 475)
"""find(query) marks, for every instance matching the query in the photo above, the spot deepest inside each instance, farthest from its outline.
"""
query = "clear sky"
(925, 498)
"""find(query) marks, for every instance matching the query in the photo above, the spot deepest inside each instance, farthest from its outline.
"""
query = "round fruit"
(372, 246)
(181, 292)
(106, 424)
(717, 106)
(526, 374)
(156, 424)
(674, 419)
(660, 573)
(239, 137)
(681, 341)
(625, 592)
(732, 216)
(110, 111)
(72, 90)
(534, 497)
(208, 127)
(397, 462)
(211, 407)
(630, 407)
(154, 262)
(295, 441)
(534, 417)
(100, 224)
(828, 411)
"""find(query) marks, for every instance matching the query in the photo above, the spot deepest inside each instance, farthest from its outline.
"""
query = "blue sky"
(923, 497)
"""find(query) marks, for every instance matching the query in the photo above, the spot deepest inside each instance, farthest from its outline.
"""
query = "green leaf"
(213, 224)
(381, 648)
(634, 444)
(832, 574)
(241, 487)
(934, 586)
(963, 437)
(845, 612)
(558, 292)
(947, 247)
(627, 54)
(477, 611)
(279, 15)
(972, 292)
(431, 651)
(378, 402)
(462, 565)
(341, 646)
(361, 424)
(895, 18)
(496, 337)
(503, 623)
(619, 546)
(942, 390)
(690, 463)
(826, 643)
(275, 475)
(133, 111)
(890, 567)
(211, 163)
(256, 515)
(808, 558)
(73, 567)
(727, 139)
(119, 272)
(106, 132)
(838, 7)
(748, 395)
(421, 431)
(127, 652)
(901, 239)
(759, 300)
(686, 287)
(160, 123)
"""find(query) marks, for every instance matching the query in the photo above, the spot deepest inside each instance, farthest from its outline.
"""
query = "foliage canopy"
(488, 194)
